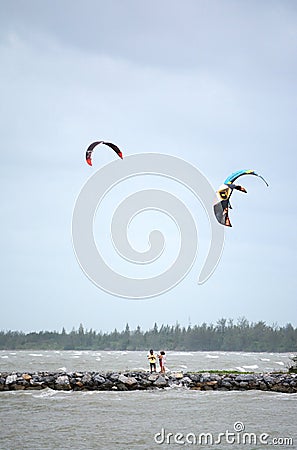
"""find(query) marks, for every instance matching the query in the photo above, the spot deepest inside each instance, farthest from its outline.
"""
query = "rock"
(245, 377)
(227, 379)
(86, 379)
(177, 375)
(280, 382)
(144, 384)
(26, 376)
(160, 382)
(186, 381)
(205, 377)
(11, 379)
(99, 379)
(19, 387)
(107, 385)
(263, 386)
(121, 387)
(194, 377)
(62, 382)
(114, 376)
(269, 380)
(2, 383)
(129, 381)
(215, 377)
(49, 379)
(78, 374)
(153, 377)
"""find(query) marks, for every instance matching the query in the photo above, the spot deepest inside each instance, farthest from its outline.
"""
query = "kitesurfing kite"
(221, 208)
(91, 147)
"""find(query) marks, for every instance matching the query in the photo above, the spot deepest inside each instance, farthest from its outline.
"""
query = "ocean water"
(170, 418)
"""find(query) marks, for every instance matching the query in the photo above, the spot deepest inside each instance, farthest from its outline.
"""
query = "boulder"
(99, 379)
(87, 378)
(245, 378)
(177, 375)
(160, 382)
(153, 377)
(128, 381)
(62, 383)
(26, 376)
(10, 379)
(114, 376)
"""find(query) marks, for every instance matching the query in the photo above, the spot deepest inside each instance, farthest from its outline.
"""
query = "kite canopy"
(91, 147)
(221, 208)
(240, 173)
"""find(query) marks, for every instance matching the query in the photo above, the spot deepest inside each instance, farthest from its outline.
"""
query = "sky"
(212, 82)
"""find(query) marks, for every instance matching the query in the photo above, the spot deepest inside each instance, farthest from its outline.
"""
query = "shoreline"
(141, 380)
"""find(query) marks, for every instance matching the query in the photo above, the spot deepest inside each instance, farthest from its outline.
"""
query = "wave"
(181, 354)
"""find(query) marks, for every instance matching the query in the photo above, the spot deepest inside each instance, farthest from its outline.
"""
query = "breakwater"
(126, 381)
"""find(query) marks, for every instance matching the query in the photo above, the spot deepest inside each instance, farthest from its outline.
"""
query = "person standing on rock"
(152, 360)
(162, 360)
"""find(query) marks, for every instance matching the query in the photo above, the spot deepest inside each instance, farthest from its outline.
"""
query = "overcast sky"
(212, 82)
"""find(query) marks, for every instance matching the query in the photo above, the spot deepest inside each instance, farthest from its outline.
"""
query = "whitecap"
(264, 359)
(4, 357)
(56, 395)
(35, 354)
(181, 354)
(62, 369)
(212, 356)
(251, 367)
(240, 369)
(280, 363)
(46, 393)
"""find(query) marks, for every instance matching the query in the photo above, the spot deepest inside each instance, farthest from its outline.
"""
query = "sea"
(168, 418)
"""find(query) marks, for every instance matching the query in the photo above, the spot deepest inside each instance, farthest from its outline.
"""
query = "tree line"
(225, 335)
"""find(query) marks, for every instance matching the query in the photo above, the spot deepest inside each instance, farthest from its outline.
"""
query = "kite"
(91, 147)
(239, 173)
(221, 208)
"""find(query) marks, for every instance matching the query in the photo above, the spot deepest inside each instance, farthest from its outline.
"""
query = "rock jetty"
(127, 381)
